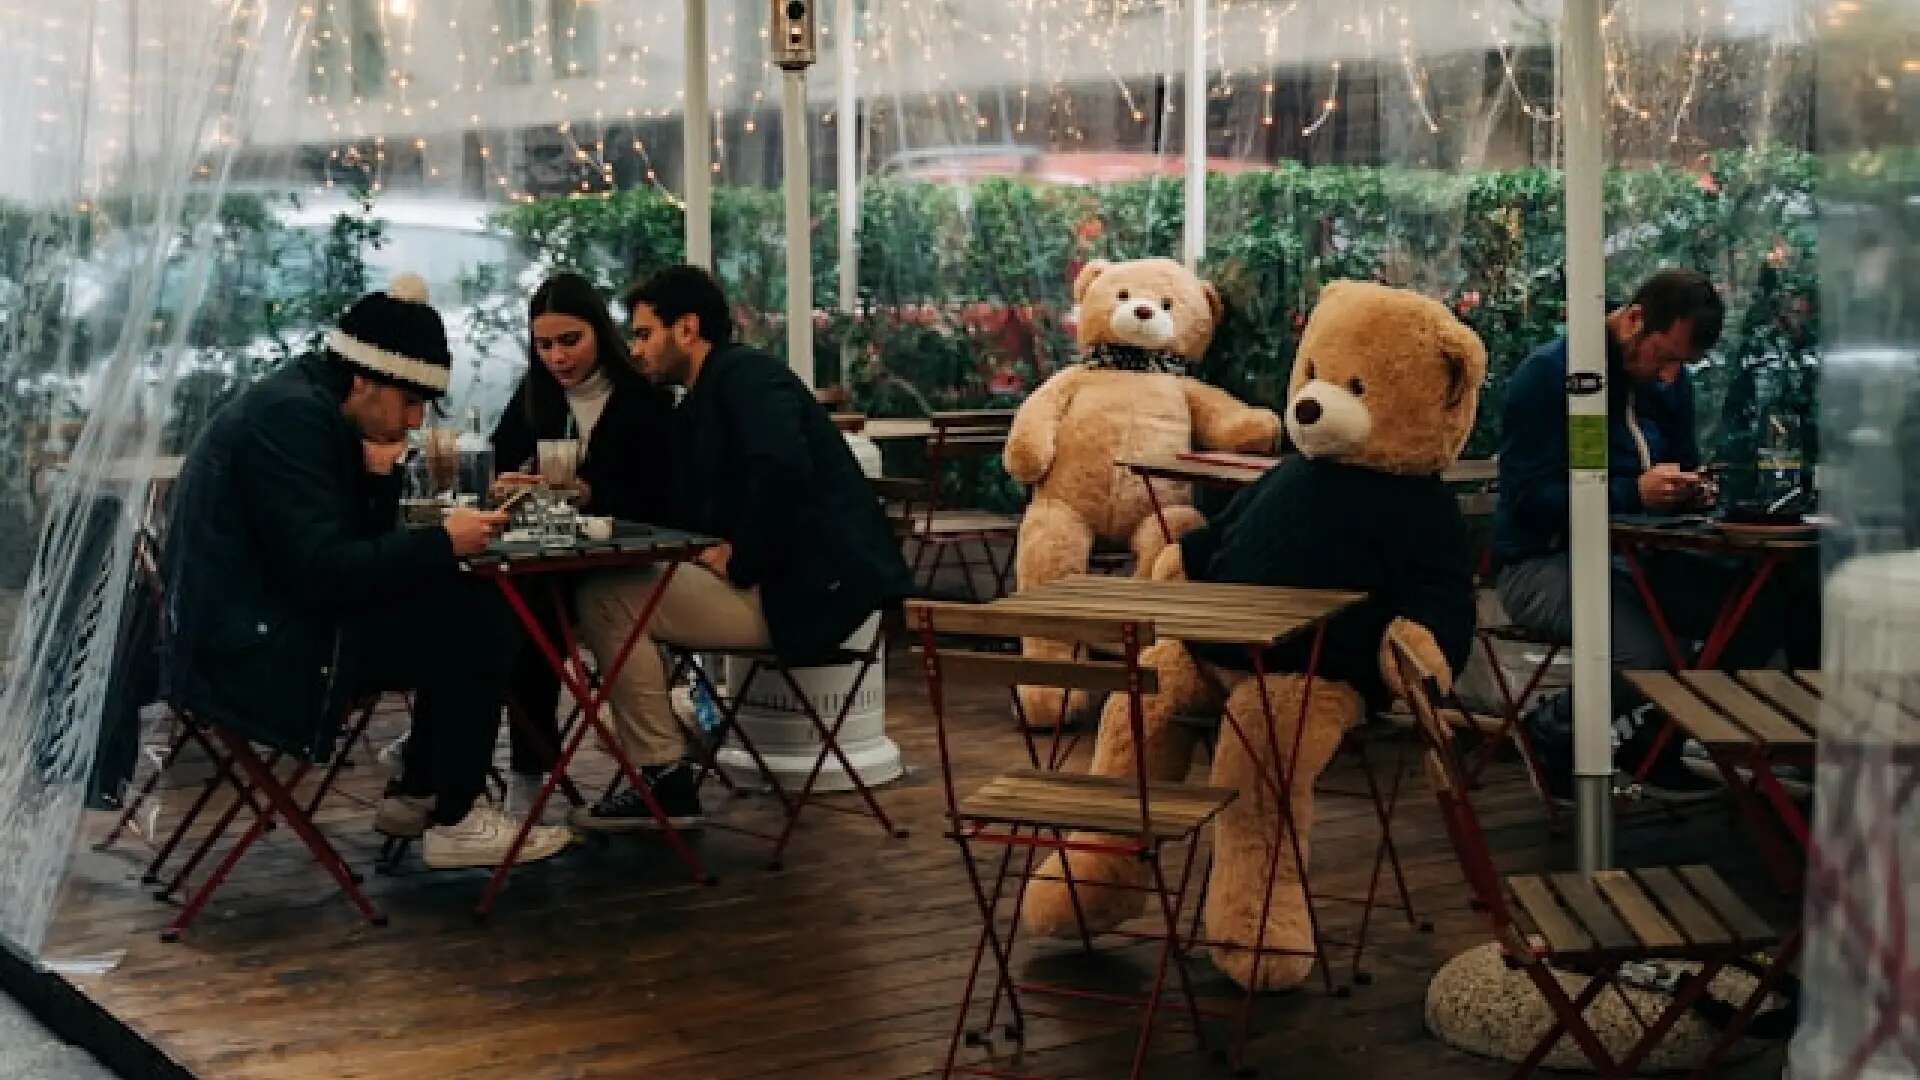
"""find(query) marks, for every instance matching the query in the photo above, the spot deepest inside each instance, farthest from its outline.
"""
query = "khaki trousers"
(699, 610)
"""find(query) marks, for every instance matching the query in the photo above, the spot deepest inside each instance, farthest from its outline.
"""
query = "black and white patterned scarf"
(1110, 356)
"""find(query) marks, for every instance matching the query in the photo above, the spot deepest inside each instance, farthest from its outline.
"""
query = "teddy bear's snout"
(1307, 411)
(1143, 312)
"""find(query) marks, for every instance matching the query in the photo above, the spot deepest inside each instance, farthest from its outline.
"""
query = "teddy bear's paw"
(1048, 908)
(1040, 708)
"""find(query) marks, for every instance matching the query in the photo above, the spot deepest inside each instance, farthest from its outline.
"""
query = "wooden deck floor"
(608, 962)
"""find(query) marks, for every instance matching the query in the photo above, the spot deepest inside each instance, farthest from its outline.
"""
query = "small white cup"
(597, 528)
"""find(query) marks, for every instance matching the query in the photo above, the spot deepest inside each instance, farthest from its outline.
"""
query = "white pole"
(1582, 107)
(848, 157)
(1194, 240)
(696, 140)
(797, 178)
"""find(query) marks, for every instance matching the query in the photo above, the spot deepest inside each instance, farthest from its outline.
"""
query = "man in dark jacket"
(293, 590)
(757, 462)
(1653, 458)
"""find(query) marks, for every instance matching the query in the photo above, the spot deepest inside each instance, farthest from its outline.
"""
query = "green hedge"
(964, 290)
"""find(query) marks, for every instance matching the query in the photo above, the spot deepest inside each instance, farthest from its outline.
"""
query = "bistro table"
(509, 562)
(1765, 548)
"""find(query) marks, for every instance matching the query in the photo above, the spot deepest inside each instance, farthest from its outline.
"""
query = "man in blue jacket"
(1653, 461)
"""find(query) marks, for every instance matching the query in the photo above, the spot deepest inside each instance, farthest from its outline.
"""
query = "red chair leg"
(830, 744)
(280, 802)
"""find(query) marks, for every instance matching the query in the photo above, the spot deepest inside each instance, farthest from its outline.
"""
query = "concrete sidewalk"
(29, 1051)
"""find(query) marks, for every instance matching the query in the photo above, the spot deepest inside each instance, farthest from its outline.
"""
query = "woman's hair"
(568, 293)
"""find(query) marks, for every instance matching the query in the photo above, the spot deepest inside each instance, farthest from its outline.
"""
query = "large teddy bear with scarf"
(1384, 390)
(1142, 326)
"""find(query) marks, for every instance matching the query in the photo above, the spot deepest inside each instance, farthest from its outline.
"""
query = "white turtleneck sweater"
(587, 401)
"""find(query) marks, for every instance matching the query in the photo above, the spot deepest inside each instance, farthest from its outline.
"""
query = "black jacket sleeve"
(765, 425)
(300, 500)
(1433, 577)
(513, 436)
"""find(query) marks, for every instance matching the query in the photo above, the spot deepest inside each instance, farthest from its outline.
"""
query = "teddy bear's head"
(1384, 378)
(1153, 304)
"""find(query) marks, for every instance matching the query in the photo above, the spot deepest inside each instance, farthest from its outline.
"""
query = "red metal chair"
(936, 528)
(761, 663)
(1595, 923)
(257, 789)
(1036, 810)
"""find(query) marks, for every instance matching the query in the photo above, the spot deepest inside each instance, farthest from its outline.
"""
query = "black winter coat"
(1324, 525)
(628, 465)
(279, 534)
(758, 463)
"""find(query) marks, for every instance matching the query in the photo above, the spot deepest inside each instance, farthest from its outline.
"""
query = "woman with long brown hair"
(579, 385)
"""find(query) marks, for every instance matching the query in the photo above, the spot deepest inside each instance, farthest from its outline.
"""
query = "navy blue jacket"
(1531, 517)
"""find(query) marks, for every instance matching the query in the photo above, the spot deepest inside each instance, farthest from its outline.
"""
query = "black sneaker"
(626, 811)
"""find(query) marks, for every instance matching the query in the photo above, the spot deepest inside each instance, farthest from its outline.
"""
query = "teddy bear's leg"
(1149, 540)
(1249, 834)
(1055, 542)
(1048, 907)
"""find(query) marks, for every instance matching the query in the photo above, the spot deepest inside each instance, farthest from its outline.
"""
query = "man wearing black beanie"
(294, 590)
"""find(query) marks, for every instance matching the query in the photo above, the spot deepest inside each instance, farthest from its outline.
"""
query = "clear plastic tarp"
(1862, 1014)
(194, 191)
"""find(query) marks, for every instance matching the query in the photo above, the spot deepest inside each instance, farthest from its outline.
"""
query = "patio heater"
(793, 53)
(787, 742)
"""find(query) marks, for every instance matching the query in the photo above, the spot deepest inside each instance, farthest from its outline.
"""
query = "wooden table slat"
(1743, 708)
(1733, 913)
(1794, 701)
(1696, 717)
(1637, 910)
(1538, 903)
(1815, 681)
(1007, 669)
(1595, 916)
(1695, 921)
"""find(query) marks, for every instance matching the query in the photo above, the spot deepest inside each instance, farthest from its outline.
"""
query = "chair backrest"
(963, 435)
(1445, 771)
(931, 620)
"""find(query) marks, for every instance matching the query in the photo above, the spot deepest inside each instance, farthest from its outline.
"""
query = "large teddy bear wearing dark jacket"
(1142, 326)
(1384, 390)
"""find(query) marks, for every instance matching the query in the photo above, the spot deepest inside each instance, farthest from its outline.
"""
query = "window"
(575, 43)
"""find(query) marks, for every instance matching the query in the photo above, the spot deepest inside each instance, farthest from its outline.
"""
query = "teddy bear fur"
(1068, 434)
(1420, 370)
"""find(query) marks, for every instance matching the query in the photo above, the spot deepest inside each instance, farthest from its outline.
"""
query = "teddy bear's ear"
(1093, 269)
(1465, 356)
(1213, 301)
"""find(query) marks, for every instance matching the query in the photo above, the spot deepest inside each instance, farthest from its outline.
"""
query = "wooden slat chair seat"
(1039, 809)
(1108, 804)
(937, 529)
(1592, 923)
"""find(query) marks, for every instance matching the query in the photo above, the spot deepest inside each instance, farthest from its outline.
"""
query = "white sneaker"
(483, 837)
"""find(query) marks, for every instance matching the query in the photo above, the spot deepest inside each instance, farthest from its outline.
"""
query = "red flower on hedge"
(1090, 229)
(1467, 302)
